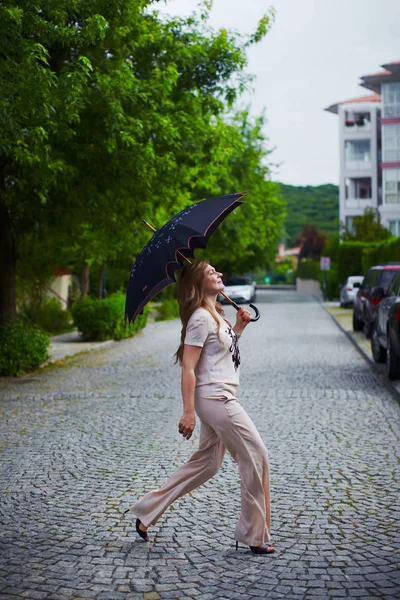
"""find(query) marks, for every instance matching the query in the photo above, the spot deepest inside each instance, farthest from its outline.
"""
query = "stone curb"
(77, 349)
(387, 383)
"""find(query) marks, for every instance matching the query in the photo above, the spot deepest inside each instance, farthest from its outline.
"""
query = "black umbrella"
(174, 243)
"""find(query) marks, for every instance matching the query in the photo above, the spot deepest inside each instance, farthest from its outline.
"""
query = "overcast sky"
(312, 57)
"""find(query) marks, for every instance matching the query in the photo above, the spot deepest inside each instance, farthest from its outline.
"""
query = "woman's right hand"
(187, 425)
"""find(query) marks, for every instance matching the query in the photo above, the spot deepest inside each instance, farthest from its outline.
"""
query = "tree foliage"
(312, 242)
(110, 113)
(247, 239)
(367, 228)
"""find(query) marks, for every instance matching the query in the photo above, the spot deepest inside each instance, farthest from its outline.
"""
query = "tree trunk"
(84, 280)
(8, 308)
(101, 282)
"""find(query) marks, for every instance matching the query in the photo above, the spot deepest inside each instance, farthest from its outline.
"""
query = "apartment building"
(369, 138)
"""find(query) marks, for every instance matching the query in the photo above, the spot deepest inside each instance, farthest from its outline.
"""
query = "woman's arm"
(190, 358)
(243, 318)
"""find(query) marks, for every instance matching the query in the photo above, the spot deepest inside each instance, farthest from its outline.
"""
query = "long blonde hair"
(191, 297)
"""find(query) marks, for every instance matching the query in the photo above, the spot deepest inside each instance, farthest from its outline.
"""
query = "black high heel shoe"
(260, 549)
(143, 534)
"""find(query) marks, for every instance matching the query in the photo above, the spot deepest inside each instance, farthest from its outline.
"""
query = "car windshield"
(237, 281)
(386, 277)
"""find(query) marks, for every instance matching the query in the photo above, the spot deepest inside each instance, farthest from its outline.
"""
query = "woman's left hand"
(243, 318)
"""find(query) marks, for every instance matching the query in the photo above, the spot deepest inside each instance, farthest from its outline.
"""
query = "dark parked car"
(373, 289)
(385, 339)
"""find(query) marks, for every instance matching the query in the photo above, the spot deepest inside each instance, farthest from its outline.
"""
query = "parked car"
(349, 290)
(239, 289)
(373, 288)
(385, 338)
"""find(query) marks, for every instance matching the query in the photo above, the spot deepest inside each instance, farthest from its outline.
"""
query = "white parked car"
(239, 289)
(349, 290)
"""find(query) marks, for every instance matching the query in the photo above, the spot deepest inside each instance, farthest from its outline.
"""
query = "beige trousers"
(224, 425)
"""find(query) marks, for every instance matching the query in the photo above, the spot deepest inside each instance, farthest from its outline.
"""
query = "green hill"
(310, 205)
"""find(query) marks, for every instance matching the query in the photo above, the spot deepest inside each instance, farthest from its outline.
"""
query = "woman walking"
(210, 360)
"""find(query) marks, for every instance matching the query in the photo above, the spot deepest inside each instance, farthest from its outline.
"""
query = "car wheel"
(357, 324)
(378, 351)
(392, 361)
(367, 330)
(367, 327)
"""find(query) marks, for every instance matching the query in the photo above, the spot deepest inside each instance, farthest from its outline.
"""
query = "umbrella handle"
(257, 315)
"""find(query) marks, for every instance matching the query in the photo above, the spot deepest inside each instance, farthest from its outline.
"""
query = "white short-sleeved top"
(219, 363)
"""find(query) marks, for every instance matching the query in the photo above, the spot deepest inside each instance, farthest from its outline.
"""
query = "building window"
(391, 99)
(391, 142)
(394, 228)
(349, 224)
(357, 154)
(391, 186)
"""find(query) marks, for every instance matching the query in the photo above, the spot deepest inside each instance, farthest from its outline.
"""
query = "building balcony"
(356, 126)
(358, 203)
(358, 165)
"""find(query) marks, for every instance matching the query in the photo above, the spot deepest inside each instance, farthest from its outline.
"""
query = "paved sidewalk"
(70, 344)
(79, 443)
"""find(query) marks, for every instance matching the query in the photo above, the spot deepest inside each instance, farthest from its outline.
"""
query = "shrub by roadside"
(100, 320)
(23, 346)
(332, 291)
(308, 269)
(386, 251)
(350, 258)
(51, 317)
(168, 309)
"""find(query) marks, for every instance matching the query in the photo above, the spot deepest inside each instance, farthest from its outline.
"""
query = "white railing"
(357, 165)
(358, 203)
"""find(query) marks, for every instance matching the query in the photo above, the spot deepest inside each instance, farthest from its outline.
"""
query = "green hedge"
(101, 320)
(23, 346)
(332, 282)
(350, 258)
(355, 258)
(308, 269)
(387, 251)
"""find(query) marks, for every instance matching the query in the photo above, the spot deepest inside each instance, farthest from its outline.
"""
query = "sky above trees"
(312, 57)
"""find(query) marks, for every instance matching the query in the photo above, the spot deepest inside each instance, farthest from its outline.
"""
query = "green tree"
(366, 228)
(247, 239)
(108, 113)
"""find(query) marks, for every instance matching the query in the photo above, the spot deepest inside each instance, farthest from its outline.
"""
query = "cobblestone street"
(80, 441)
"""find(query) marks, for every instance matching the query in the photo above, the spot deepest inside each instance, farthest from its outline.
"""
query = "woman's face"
(212, 282)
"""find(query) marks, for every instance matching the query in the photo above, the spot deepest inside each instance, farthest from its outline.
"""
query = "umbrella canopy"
(156, 264)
